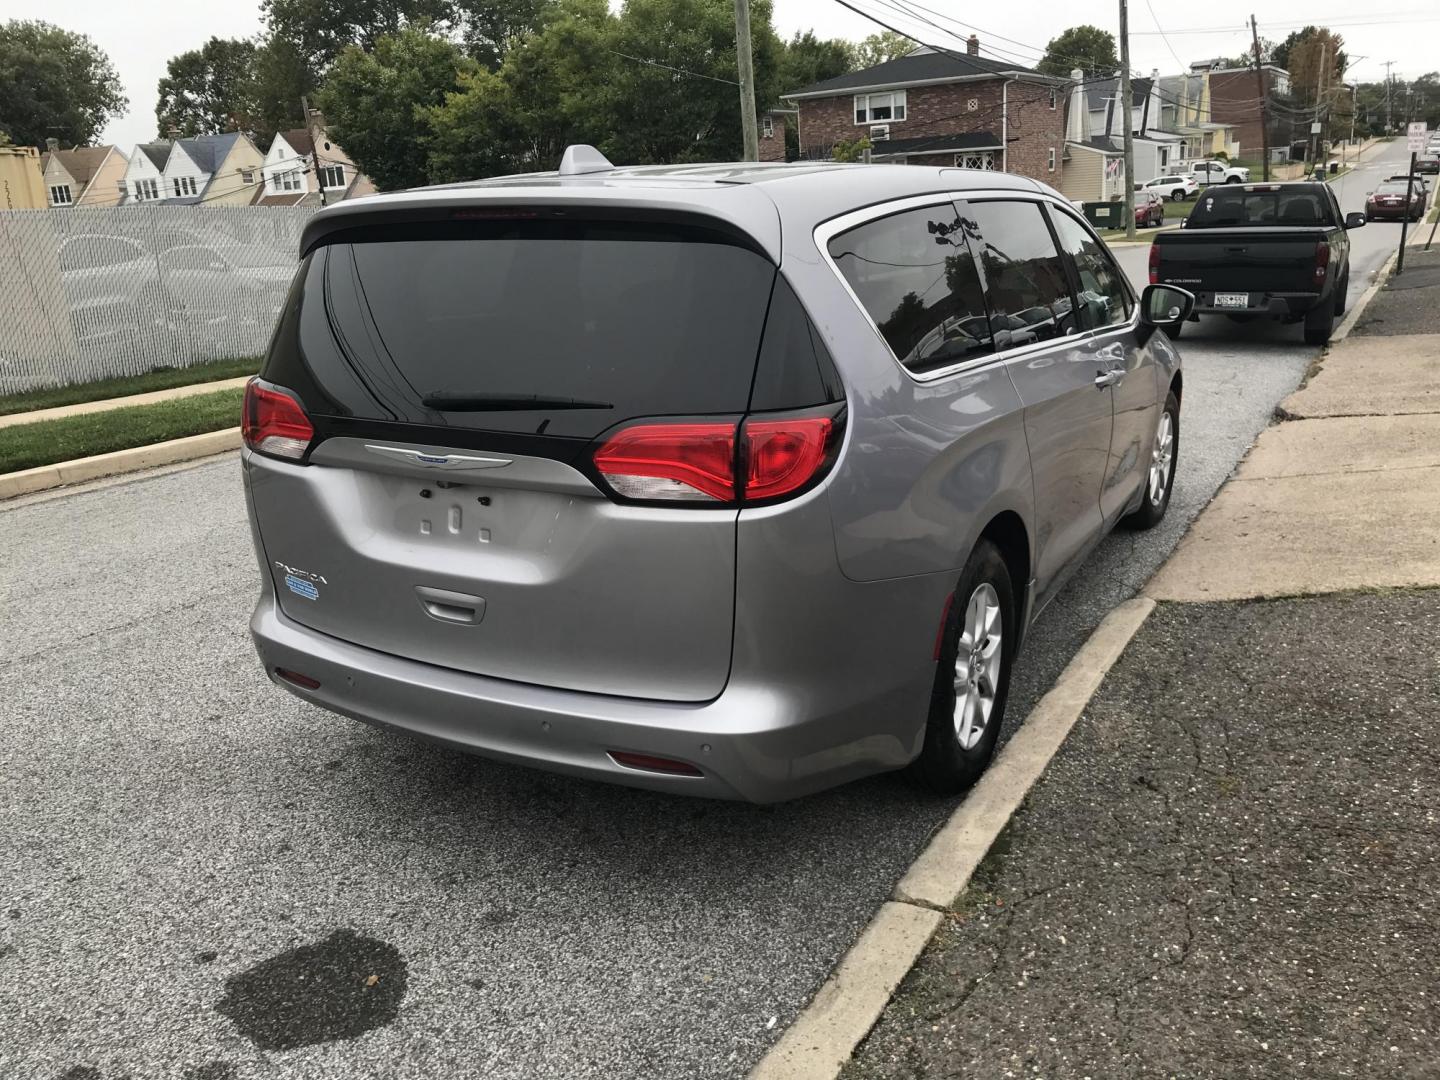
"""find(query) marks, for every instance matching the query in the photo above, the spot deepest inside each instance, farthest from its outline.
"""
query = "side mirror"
(1165, 305)
(1354, 221)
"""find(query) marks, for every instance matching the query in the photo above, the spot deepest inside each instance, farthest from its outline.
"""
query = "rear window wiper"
(448, 402)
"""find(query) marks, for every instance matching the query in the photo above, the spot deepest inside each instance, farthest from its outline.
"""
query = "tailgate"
(457, 375)
(1274, 260)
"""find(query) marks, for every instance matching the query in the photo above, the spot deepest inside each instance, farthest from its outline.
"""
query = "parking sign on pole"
(1415, 136)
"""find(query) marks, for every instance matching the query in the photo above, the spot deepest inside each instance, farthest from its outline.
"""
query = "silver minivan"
(728, 480)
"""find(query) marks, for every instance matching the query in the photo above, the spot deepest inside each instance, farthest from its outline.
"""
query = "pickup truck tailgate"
(1269, 260)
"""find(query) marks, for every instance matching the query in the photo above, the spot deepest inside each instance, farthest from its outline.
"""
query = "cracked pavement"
(1229, 869)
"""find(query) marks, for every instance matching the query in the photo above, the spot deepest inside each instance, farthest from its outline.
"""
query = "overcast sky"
(1404, 31)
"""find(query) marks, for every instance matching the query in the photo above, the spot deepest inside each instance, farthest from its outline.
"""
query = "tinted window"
(914, 273)
(1025, 279)
(795, 369)
(1102, 295)
(651, 320)
(1220, 207)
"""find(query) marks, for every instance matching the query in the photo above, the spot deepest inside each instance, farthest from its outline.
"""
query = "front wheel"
(1232, 180)
(1164, 455)
(972, 677)
(1178, 195)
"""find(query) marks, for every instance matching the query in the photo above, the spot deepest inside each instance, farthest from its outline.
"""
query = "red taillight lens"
(784, 455)
(1322, 261)
(274, 423)
(1154, 264)
(686, 462)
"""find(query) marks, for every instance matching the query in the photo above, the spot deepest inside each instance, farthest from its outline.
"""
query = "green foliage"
(160, 378)
(1088, 48)
(209, 90)
(491, 28)
(378, 104)
(55, 84)
(878, 48)
(850, 151)
(322, 29)
(282, 77)
(807, 59)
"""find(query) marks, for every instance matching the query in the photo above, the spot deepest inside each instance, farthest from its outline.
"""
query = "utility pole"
(1317, 138)
(1388, 124)
(1264, 102)
(314, 156)
(746, 63)
(1126, 104)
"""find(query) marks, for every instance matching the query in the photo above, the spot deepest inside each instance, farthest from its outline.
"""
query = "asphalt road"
(184, 848)
(1228, 870)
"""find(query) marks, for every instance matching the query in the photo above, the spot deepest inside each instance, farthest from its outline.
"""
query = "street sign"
(1315, 127)
(1415, 136)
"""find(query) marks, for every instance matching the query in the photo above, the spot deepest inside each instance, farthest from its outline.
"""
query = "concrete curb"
(1358, 308)
(152, 397)
(822, 1038)
(120, 461)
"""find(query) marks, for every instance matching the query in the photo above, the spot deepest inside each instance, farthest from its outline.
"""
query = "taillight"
(700, 461)
(784, 455)
(1154, 264)
(274, 423)
(1322, 261)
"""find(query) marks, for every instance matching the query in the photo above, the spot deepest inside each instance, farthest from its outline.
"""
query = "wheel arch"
(1007, 531)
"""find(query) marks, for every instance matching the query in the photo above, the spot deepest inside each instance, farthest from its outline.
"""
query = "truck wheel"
(972, 677)
(1342, 295)
(1232, 180)
(1320, 323)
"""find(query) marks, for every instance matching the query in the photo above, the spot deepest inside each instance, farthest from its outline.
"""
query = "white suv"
(1217, 172)
(1175, 187)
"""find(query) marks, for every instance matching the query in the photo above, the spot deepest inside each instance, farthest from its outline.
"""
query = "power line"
(677, 71)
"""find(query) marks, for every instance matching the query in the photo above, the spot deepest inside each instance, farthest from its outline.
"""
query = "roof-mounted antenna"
(580, 159)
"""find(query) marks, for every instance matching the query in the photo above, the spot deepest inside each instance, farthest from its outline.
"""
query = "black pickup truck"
(1253, 251)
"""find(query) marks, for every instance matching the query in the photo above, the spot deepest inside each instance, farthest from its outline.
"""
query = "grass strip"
(157, 379)
(26, 446)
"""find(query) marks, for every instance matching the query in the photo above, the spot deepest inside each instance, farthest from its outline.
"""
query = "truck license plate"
(1232, 299)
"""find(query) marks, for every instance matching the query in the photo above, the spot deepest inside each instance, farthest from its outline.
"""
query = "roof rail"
(581, 158)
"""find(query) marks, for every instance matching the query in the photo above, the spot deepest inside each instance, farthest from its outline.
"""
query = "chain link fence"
(92, 293)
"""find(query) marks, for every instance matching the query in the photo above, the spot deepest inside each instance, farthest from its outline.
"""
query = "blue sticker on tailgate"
(301, 587)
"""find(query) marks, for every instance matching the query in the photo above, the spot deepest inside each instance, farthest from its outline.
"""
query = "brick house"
(934, 108)
(1234, 101)
(773, 123)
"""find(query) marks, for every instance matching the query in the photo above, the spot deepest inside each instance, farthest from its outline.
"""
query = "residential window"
(767, 127)
(145, 190)
(60, 195)
(182, 186)
(247, 176)
(981, 159)
(1052, 99)
(332, 176)
(914, 273)
(286, 181)
(1050, 161)
(123, 188)
(873, 108)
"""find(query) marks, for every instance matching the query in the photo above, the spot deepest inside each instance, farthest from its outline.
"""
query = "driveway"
(197, 867)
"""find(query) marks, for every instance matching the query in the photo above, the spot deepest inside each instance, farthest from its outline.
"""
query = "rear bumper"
(755, 743)
(1263, 305)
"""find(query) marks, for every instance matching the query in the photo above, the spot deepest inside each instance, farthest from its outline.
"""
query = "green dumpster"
(1105, 215)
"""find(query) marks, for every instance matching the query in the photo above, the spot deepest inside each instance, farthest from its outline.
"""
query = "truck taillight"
(1154, 264)
(273, 422)
(702, 463)
(1322, 261)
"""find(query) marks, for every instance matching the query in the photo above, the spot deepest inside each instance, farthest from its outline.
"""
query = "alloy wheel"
(1161, 454)
(977, 664)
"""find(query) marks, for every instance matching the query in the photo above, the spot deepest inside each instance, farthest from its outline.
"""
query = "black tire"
(1178, 195)
(944, 766)
(1151, 512)
(1342, 295)
(1320, 323)
(1173, 332)
(1232, 180)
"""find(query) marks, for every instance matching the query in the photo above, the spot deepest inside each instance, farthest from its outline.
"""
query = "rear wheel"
(1320, 323)
(1164, 455)
(1178, 195)
(1342, 295)
(972, 677)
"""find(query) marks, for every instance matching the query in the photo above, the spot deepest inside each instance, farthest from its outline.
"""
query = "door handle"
(1112, 377)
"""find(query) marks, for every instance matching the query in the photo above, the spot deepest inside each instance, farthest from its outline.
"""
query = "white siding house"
(286, 169)
(144, 176)
(183, 177)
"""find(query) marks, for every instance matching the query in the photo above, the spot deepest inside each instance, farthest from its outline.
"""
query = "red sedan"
(1388, 201)
(1149, 209)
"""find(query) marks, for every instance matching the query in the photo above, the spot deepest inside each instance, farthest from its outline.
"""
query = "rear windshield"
(1224, 208)
(459, 324)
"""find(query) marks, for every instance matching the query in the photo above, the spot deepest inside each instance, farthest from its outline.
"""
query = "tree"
(55, 84)
(282, 78)
(491, 28)
(379, 104)
(878, 48)
(806, 59)
(209, 90)
(1088, 48)
(1316, 63)
(322, 29)
(1282, 55)
(850, 151)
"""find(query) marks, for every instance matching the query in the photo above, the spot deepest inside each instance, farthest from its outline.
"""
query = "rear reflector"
(274, 423)
(686, 462)
(303, 681)
(647, 763)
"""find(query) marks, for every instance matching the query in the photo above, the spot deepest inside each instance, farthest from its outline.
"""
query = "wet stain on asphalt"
(80, 1072)
(211, 1070)
(340, 988)
(207, 957)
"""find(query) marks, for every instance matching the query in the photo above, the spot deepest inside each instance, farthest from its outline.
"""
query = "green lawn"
(158, 379)
(45, 442)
